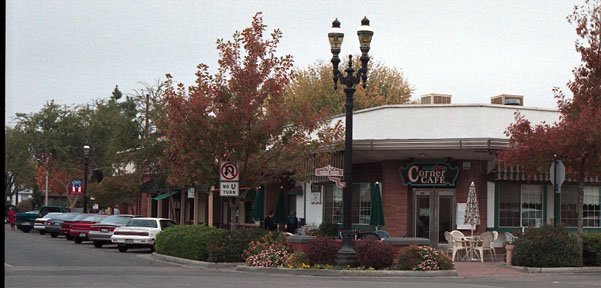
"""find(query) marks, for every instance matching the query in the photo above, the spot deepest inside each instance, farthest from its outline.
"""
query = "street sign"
(557, 179)
(75, 187)
(191, 192)
(229, 189)
(331, 172)
(228, 171)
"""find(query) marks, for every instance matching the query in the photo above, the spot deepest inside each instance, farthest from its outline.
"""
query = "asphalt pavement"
(33, 260)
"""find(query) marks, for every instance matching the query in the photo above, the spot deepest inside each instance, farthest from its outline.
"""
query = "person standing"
(12, 217)
(292, 222)
(269, 223)
(116, 210)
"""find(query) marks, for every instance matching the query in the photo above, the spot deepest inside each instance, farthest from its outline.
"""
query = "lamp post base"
(346, 255)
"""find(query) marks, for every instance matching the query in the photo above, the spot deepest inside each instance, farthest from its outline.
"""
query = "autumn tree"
(240, 114)
(19, 167)
(576, 138)
(314, 85)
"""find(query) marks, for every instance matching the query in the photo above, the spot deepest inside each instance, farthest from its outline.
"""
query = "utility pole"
(46, 198)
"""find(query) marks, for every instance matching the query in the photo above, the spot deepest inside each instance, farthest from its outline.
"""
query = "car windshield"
(94, 218)
(52, 215)
(67, 216)
(142, 223)
(116, 219)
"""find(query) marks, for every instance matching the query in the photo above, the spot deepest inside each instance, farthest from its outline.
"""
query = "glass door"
(422, 216)
(434, 214)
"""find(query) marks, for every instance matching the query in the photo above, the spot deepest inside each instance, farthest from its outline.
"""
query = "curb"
(594, 270)
(349, 273)
(194, 263)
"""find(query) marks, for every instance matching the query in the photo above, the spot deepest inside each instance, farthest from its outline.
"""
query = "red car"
(79, 229)
(66, 226)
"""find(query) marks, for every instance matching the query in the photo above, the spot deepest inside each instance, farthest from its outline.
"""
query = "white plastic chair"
(509, 238)
(487, 244)
(496, 236)
(456, 243)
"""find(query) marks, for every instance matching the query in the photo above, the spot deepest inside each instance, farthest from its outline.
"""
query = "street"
(34, 260)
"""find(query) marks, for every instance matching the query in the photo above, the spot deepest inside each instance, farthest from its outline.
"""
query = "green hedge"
(203, 243)
(591, 245)
(546, 246)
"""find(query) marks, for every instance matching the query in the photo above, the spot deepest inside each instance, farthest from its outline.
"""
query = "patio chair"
(456, 244)
(495, 235)
(509, 238)
(368, 236)
(383, 234)
(457, 233)
(487, 244)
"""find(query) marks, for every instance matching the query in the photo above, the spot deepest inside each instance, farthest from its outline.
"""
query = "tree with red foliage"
(240, 114)
(576, 138)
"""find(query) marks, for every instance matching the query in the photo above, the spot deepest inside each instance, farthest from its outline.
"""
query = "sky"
(74, 52)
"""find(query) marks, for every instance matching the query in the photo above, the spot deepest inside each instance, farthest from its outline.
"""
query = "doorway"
(434, 213)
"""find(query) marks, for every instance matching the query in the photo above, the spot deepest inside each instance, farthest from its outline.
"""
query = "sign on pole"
(331, 172)
(75, 188)
(191, 192)
(228, 171)
(557, 175)
(229, 189)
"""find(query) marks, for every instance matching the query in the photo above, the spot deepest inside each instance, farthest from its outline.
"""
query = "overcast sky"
(77, 51)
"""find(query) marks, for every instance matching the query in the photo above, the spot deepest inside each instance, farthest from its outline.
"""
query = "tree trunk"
(579, 208)
(171, 204)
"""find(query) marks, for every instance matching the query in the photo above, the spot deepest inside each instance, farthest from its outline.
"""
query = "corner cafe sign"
(429, 174)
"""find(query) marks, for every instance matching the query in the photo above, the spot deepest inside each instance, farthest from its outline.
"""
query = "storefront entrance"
(433, 213)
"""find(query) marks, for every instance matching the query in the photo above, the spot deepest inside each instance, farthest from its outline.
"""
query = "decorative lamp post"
(86, 151)
(346, 254)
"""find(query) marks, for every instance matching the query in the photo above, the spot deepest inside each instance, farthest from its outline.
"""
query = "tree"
(576, 138)
(239, 114)
(121, 189)
(19, 168)
(314, 85)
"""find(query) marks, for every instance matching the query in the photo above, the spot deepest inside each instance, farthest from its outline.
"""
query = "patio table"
(472, 242)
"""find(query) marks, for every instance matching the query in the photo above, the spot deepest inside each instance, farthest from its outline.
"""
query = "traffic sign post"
(229, 176)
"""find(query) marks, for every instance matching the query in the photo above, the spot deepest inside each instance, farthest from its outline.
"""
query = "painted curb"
(194, 263)
(594, 270)
(349, 273)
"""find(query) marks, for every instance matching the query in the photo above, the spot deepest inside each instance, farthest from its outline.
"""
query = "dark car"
(100, 233)
(53, 225)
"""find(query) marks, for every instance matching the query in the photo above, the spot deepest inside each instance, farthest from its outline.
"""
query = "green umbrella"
(472, 215)
(280, 209)
(258, 209)
(377, 211)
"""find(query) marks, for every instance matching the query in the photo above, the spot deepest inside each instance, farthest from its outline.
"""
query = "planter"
(509, 253)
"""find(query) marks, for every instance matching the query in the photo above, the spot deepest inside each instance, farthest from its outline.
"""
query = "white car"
(39, 224)
(139, 232)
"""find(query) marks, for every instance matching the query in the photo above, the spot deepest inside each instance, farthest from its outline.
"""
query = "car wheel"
(97, 244)
(69, 237)
(53, 234)
(78, 240)
(42, 232)
(26, 230)
(122, 248)
(152, 248)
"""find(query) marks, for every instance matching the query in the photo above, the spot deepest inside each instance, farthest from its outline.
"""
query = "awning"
(250, 195)
(163, 196)
(298, 190)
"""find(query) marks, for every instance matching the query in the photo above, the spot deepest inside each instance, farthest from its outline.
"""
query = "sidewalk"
(478, 269)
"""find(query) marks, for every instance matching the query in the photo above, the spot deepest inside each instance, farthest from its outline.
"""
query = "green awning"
(250, 195)
(163, 196)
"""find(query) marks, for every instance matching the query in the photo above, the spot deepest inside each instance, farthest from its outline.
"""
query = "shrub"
(327, 229)
(231, 247)
(546, 246)
(297, 259)
(25, 205)
(188, 241)
(322, 250)
(422, 258)
(275, 255)
(374, 254)
(264, 242)
(591, 245)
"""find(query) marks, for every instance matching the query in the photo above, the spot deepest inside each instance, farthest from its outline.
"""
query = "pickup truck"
(25, 220)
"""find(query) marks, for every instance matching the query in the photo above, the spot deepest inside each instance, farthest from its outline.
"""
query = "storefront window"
(520, 205)
(591, 214)
(361, 206)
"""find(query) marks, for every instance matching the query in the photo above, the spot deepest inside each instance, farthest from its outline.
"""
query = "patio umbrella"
(280, 208)
(472, 215)
(377, 211)
(259, 205)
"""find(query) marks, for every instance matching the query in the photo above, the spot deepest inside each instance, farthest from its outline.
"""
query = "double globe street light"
(346, 254)
(86, 151)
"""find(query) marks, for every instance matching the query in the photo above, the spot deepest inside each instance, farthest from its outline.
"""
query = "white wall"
(314, 211)
(490, 204)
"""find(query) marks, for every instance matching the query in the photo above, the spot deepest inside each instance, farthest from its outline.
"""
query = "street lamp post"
(346, 254)
(86, 151)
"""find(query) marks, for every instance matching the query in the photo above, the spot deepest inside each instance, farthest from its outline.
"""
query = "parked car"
(38, 224)
(139, 232)
(66, 225)
(25, 220)
(79, 229)
(53, 225)
(100, 233)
